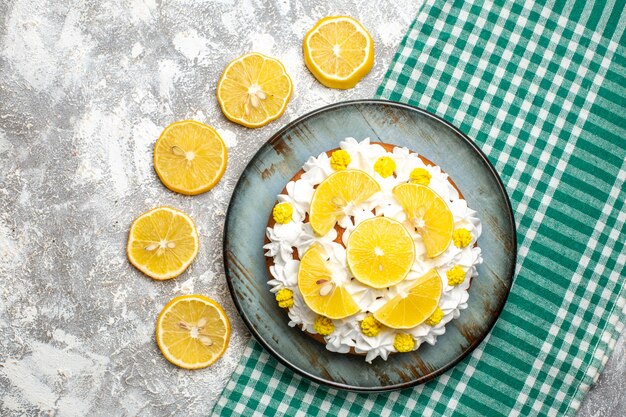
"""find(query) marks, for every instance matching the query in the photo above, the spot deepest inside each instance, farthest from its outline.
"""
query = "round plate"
(274, 165)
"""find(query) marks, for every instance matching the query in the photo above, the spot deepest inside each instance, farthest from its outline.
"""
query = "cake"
(371, 249)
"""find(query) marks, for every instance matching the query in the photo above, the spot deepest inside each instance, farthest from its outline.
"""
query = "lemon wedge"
(405, 312)
(428, 214)
(320, 292)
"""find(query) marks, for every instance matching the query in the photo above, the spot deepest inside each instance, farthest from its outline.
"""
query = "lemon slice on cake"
(338, 51)
(162, 243)
(190, 157)
(192, 331)
(336, 195)
(405, 311)
(320, 292)
(380, 252)
(254, 90)
(428, 214)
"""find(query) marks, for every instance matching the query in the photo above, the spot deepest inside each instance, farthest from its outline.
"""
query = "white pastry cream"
(297, 235)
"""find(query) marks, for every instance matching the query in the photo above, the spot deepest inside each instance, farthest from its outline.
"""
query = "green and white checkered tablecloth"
(541, 87)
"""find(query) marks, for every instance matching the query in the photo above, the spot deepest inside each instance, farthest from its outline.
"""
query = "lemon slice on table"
(192, 331)
(405, 312)
(190, 157)
(254, 90)
(162, 243)
(338, 51)
(319, 291)
(429, 214)
(380, 252)
(335, 195)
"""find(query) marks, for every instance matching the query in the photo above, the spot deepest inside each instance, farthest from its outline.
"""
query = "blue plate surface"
(278, 161)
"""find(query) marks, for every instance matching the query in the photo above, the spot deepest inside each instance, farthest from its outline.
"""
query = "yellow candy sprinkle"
(456, 275)
(284, 298)
(340, 160)
(370, 326)
(403, 342)
(323, 326)
(435, 318)
(385, 166)
(461, 237)
(282, 213)
(420, 176)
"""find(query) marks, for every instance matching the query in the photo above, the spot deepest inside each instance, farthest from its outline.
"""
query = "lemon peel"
(385, 166)
(461, 237)
(435, 318)
(340, 159)
(284, 298)
(420, 176)
(282, 213)
(403, 342)
(370, 326)
(323, 326)
(456, 275)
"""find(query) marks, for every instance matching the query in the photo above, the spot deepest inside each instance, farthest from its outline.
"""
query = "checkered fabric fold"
(541, 88)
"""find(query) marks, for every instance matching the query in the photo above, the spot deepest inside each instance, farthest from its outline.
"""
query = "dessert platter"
(369, 246)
